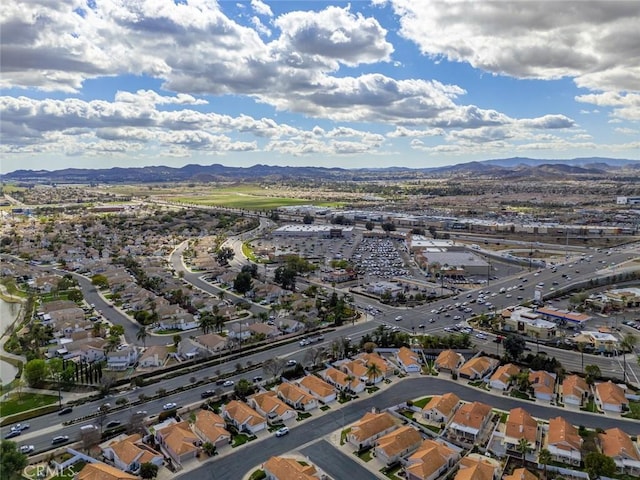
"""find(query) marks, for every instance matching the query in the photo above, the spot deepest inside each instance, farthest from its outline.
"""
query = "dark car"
(113, 424)
(207, 394)
(257, 379)
(65, 410)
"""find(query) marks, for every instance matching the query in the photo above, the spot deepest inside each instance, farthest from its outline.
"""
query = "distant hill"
(516, 167)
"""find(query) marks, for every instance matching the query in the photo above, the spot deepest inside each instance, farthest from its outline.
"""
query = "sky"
(415, 83)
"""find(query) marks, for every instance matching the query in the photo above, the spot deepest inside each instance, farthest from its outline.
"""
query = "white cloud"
(625, 106)
(261, 8)
(594, 42)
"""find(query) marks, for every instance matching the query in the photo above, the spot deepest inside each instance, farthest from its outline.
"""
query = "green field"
(247, 202)
(25, 401)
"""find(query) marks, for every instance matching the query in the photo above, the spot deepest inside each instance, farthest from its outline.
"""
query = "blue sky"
(415, 83)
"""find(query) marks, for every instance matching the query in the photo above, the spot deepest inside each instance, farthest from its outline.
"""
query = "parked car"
(170, 406)
(27, 449)
(281, 432)
(59, 439)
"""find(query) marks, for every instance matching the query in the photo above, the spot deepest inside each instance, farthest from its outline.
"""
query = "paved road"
(336, 464)
(254, 454)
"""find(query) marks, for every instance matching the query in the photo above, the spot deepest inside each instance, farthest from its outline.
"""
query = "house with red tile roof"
(617, 444)
(477, 367)
(211, 427)
(470, 421)
(477, 468)
(501, 378)
(563, 441)
(408, 360)
(441, 407)
(129, 452)
(296, 397)
(610, 397)
(543, 384)
(317, 387)
(178, 441)
(575, 390)
(369, 428)
(431, 460)
(449, 361)
(396, 444)
(284, 468)
(520, 424)
(271, 407)
(102, 471)
(343, 381)
(243, 417)
(520, 474)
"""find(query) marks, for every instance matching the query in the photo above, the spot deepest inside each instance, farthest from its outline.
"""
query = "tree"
(598, 464)
(243, 388)
(369, 226)
(433, 231)
(90, 438)
(593, 372)
(314, 355)
(224, 255)
(307, 219)
(514, 346)
(627, 344)
(206, 322)
(209, 448)
(388, 227)
(141, 335)
(100, 281)
(12, 462)
(273, 366)
(545, 458)
(243, 283)
(35, 372)
(373, 372)
(116, 331)
(148, 470)
(176, 340)
(285, 276)
(56, 368)
(523, 448)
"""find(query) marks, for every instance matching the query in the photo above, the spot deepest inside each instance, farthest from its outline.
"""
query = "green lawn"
(240, 439)
(302, 416)
(634, 411)
(366, 455)
(25, 401)
(421, 402)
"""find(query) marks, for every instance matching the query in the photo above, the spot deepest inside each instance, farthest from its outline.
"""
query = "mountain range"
(512, 168)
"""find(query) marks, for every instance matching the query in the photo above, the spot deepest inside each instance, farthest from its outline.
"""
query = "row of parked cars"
(632, 324)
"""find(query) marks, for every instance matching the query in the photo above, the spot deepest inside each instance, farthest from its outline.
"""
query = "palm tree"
(206, 323)
(349, 378)
(523, 448)
(581, 350)
(141, 335)
(373, 372)
(112, 343)
(545, 458)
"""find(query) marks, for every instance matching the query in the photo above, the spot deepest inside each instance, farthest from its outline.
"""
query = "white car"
(481, 336)
(282, 432)
(291, 363)
(169, 406)
(27, 449)
(228, 383)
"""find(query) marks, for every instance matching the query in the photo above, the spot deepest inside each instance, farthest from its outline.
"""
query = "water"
(8, 313)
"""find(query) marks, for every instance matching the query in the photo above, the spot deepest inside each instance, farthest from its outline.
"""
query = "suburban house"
(122, 359)
(369, 428)
(610, 397)
(385, 367)
(477, 367)
(102, 471)
(449, 361)
(270, 406)
(469, 421)
(520, 424)
(397, 443)
(318, 388)
(211, 427)
(431, 460)
(543, 384)
(213, 342)
(178, 441)
(130, 452)
(574, 390)
(563, 441)
(283, 468)
(265, 330)
(153, 356)
(239, 331)
(477, 468)
(616, 444)
(92, 350)
(520, 474)
(298, 398)
(243, 417)
(408, 360)
(343, 381)
(501, 378)
(441, 407)
(189, 349)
